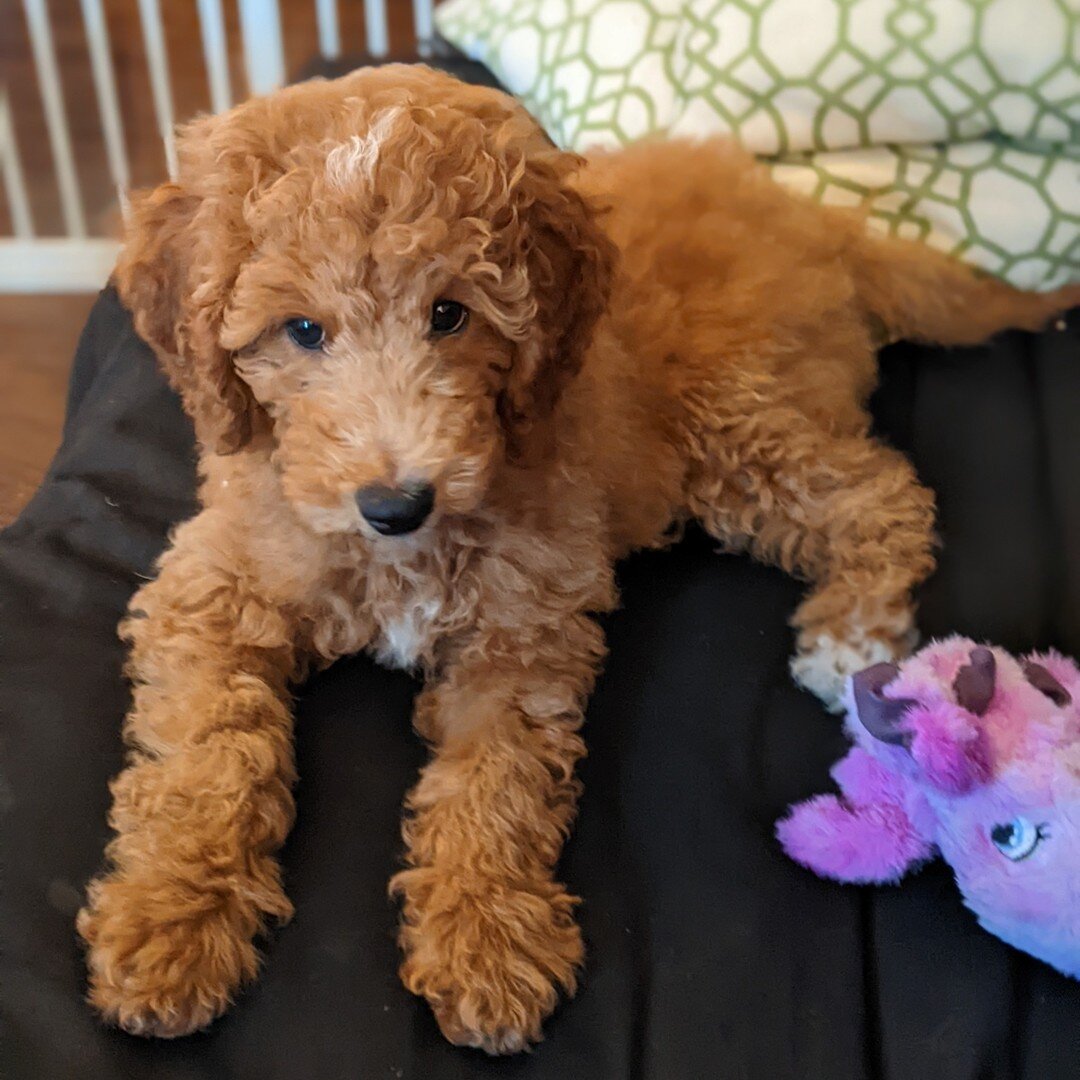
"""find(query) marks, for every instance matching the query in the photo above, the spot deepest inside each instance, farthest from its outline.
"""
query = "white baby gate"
(78, 261)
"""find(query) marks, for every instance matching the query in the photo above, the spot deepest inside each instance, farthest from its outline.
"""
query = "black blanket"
(710, 955)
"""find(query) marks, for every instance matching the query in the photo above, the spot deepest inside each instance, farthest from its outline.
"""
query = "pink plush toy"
(966, 752)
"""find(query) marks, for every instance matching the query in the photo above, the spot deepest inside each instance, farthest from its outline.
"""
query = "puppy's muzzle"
(394, 511)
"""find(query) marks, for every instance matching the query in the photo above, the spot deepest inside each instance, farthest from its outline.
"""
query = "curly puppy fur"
(656, 335)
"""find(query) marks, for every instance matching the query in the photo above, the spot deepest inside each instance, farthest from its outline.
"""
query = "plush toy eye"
(448, 317)
(307, 333)
(1018, 838)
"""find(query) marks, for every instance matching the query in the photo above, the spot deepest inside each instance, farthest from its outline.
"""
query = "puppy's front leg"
(488, 933)
(204, 801)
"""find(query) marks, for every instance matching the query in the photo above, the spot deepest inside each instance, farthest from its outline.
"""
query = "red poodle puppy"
(443, 376)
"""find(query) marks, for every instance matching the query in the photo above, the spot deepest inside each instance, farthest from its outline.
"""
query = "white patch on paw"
(825, 669)
(356, 159)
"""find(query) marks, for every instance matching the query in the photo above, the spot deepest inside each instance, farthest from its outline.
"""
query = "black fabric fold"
(710, 955)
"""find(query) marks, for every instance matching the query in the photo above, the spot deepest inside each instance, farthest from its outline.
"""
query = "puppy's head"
(386, 278)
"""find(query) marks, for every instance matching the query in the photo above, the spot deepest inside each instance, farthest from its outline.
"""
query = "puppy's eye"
(448, 317)
(307, 333)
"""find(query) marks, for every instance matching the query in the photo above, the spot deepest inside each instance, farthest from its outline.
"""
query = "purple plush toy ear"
(864, 837)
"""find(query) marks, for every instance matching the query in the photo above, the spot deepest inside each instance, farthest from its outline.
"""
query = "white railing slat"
(157, 63)
(101, 66)
(329, 33)
(22, 221)
(215, 53)
(264, 56)
(378, 36)
(56, 264)
(424, 18)
(52, 97)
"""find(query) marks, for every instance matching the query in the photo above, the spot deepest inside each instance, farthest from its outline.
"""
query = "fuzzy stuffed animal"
(966, 752)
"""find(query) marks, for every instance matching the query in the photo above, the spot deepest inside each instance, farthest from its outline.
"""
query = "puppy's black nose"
(393, 511)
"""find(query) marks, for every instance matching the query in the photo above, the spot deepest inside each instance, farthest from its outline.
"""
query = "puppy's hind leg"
(847, 514)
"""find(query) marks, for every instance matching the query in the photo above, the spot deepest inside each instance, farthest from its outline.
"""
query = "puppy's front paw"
(826, 663)
(163, 962)
(489, 958)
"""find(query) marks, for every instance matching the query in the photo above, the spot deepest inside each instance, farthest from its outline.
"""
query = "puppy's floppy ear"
(571, 264)
(175, 280)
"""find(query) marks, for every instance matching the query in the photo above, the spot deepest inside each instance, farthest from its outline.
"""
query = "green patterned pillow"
(593, 72)
(783, 75)
(839, 77)
(787, 75)
(1009, 210)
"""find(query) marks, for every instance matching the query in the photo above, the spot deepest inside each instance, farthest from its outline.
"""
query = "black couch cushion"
(710, 955)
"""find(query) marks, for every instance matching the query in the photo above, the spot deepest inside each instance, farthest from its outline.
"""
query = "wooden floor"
(38, 333)
(37, 341)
